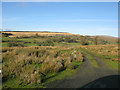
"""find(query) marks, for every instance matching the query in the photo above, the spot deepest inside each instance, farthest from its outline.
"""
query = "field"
(23, 39)
(35, 59)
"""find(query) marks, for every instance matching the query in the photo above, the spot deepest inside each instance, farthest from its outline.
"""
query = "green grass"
(58, 44)
(4, 44)
(93, 62)
(26, 44)
(11, 83)
(66, 44)
(32, 39)
(76, 63)
(34, 44)
(15, 40)
(14, 83)
(112, 64)
(109, 56)
(5, 38)
(0, 65)
(30, 44)
(60, 75)
(26, 39)
(63, 51)
(73, 44)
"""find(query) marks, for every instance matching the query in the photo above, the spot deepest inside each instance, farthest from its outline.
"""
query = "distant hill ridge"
(108, 38)
(45, 32)
(32, 33)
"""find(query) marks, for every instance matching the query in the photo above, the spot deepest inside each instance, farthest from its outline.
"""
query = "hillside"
(36, 59)
(26, 33)
(24, 39)
(108, 38)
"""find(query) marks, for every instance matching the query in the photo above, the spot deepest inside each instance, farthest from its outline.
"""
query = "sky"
(84, 18)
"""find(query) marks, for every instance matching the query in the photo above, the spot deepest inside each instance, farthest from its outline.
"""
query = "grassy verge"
(93, 62)
(111, 64)
(63, 74)
(106, 59)
(13, 83)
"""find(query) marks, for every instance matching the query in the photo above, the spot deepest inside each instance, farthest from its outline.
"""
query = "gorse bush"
(15, 44)
(6, 34)
(46, 43)
(84, 40)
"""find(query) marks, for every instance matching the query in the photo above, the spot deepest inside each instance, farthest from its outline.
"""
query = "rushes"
(32, 76)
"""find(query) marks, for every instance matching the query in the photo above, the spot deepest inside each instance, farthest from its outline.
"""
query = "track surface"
(89, 76)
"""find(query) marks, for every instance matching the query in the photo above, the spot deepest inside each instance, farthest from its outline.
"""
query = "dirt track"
(90, 77)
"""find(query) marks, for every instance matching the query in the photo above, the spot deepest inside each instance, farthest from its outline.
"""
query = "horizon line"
(57, 32)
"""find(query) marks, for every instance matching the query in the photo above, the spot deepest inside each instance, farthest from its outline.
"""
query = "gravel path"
(89, 76)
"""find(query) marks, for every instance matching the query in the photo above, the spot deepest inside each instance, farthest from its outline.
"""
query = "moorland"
(55, 59)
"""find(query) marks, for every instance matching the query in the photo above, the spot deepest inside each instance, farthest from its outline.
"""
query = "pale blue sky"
(79, 18)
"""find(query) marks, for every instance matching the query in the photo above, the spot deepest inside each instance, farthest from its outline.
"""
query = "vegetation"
(32, 65)
(36, 39)
(96, 40)
(93, 62)
(33, 60)
(6, 34)
(84, 41)
(108, 53)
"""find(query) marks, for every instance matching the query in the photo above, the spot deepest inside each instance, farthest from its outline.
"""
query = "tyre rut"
(85, 74)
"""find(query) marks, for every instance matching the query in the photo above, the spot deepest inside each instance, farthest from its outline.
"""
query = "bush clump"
(46, 43)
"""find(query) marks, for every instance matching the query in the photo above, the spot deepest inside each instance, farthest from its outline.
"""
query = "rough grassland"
(35, 66)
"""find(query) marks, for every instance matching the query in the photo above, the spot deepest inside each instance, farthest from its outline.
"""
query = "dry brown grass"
(20, 34)
(105, 50)
(32, 63)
